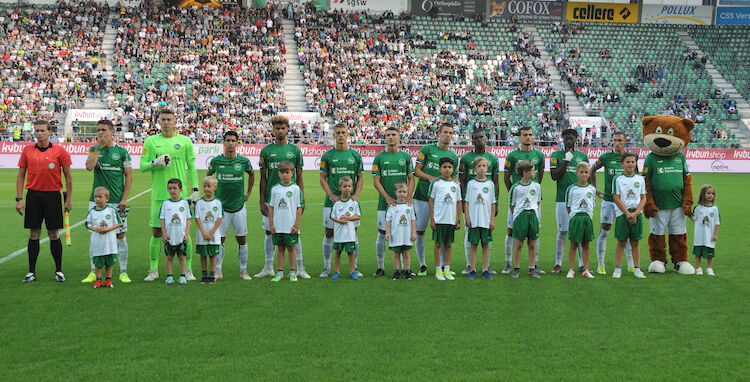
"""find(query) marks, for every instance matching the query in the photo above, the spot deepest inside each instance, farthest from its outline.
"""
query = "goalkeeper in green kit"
(168, 155)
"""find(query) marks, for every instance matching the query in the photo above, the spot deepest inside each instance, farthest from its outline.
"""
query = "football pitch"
(669, 326)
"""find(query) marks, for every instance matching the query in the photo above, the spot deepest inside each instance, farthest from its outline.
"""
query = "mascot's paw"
(683, 268)
(687, 210)
(657, 266)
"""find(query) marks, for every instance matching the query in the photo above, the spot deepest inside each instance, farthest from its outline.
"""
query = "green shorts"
(400, 248)
(581, 228)
(175, 250)
(107, 261)
(698, 251)
(345, 247)
(444, 233)
(626, 231)
(285, 239)
(480, 235)
(154, 221)
(207, 250)
(526, 226)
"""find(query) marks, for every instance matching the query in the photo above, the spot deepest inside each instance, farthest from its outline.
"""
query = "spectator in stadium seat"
(43, 163)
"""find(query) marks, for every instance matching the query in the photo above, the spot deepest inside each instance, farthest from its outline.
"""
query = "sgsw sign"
(375, 6)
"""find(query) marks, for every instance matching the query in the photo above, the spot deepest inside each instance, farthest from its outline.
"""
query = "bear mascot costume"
(669, 191)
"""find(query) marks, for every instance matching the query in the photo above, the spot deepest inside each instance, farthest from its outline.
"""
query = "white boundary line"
(62, 232)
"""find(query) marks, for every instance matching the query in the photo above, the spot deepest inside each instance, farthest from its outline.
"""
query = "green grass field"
(668, 326)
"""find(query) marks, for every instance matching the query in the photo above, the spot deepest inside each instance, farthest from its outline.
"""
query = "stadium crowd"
(48, 56)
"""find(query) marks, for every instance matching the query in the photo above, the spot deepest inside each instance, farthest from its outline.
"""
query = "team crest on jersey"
(351, 209)
(588, 194)
(408, 211)
(350, 160)
(51, 166)
(115, 156)
(108, 216)
(401, 162)
(711, 214)
(216, 209)
(282, 203)
(289, 155)
(237, 167)
(676, 160)
(288, 194)
(485, 190)
(177, 146)
(532, 192)
(209, 216)
(176, 218)
(182, 209)
(453, 188)
(637, 184)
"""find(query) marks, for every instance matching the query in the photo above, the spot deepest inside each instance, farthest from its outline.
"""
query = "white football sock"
(380, 250)
(242, 255)
(327, 249)
(467, 247)
(601, 246)
(560, 246)
(508, 249)
(270, 250)
(298, 247)
(220, 257)
(122, 254)
(629, 253)
(420, 248)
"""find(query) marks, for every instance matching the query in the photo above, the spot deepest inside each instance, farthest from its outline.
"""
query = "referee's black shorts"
(43, 205)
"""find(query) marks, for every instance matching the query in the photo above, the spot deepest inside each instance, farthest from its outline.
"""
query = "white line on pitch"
(62, 233)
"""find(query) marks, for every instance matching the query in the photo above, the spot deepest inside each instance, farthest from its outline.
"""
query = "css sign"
(733, 15)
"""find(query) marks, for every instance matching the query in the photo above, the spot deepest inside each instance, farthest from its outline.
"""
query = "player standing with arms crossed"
(230, 169)
(563, 165)
(466, 174)
(524, 152)
(427, 170)
(111, 165)
(390, 166)
(168, 155)
(612, 168)
(43, 162)
(336, 163)
(271, 155)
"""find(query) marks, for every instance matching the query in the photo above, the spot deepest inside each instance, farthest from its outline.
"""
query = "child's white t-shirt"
(581, 199)
(630, 189)
(446, 194)
(103, 244)
(481, 196)
(176, 214)
(285, 200)
(207, 211)
(400, 216)
(706, 219)
(345, 233)
(525, 197)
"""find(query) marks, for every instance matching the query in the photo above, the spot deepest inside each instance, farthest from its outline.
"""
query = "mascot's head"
(666, 135)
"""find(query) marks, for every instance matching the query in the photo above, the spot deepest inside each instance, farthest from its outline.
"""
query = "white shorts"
(607, 215)
(123, 216)
(561, 214)
(238, 220)
(668, 220)
(381, 220)
(422, 210)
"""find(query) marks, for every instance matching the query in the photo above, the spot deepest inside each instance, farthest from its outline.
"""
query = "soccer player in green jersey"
(524, 152)
(466, 174)
(230, 169)
(390, 166)
(271, 156)
(562, 165)
(112, 168)
(611, 162)
(427, 170)
(168, 155)
(338, 162)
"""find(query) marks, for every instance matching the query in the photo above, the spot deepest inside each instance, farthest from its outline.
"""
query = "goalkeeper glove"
(161, 161)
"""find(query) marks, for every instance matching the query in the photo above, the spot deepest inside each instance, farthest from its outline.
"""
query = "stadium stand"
(48, 55)
(220, 68)
(648, 64)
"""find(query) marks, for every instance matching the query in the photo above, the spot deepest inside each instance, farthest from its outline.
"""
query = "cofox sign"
(527, 9)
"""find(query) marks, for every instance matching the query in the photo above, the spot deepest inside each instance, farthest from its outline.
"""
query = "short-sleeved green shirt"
(569, 178)
(270, 157)
(230, 174)
(612, 163)
(182, 166)
(466, 164)
(429, 156)
(666, 174)
(391, 168)
(535, 156)
(109, 171)
(338, 164)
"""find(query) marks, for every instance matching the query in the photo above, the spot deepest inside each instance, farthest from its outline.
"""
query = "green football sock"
(189, 253)
(154, 250)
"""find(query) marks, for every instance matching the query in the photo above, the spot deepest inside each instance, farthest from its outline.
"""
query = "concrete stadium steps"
(575, 108)
(743, 107)
(294, 81)
(107, 50)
